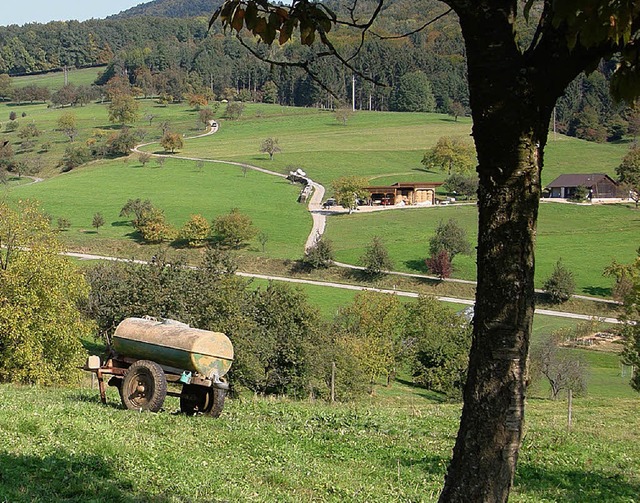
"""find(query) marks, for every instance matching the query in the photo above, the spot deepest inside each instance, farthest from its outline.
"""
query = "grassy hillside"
(384, 147)
(55, 80)
(63, 445)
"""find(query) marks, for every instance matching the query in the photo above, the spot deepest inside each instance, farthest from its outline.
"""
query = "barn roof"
(576, 180)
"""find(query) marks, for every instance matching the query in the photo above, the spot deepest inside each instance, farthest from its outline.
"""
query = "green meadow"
(394, 446)
(55, 80)
(63, 445)
(383, 147)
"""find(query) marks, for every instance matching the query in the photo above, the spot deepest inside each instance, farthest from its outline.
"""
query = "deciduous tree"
(98, 221)
(67, 123)
(375, 259)
(514, 83)
(270, 146)
(561, 285)
(196, 231)
(123, 109)
(629, 173)
(451, 155)
(562, 369)
(438, 343)
(171, 141)
(347, 190)
(451, 237)
(40, 324)
(234, 228)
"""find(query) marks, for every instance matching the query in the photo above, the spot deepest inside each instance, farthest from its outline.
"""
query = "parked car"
(329, 203)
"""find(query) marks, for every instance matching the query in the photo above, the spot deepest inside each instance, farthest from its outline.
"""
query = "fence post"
(333, 382)
(570, 411)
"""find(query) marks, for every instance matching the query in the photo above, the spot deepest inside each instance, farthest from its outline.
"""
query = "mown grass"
(586, 238)
(63, 445)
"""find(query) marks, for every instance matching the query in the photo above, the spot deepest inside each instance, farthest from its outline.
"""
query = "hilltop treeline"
(208, 61)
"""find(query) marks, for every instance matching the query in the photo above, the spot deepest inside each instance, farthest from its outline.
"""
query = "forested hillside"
(164, 47)
(171, 8)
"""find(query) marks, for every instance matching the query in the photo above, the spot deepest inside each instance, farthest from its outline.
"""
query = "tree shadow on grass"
(597, 291)
(573, 485)
(417, 265)
(416, 390)
(65, 477)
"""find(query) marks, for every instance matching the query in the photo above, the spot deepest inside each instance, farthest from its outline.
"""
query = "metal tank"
(174, 344)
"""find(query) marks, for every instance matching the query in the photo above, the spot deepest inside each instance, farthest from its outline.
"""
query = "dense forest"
(164, 47)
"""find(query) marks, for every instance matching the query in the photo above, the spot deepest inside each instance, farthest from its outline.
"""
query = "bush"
(450, 237)
(376, 258)
(560, 286)
(195, 231)
(40, 324)
(320, 255)
(75, 156)
(234, 228)
(437, 342)
(440, 264)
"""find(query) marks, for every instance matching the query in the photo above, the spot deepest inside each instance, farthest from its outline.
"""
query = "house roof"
(406, 185)
(576, 180)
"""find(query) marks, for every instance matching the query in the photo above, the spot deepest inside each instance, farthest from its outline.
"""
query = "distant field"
(587, 238)
(180, 188)
(55, 80)
(384, 147)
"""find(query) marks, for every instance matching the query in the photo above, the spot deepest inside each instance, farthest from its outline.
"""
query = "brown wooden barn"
(404, 193)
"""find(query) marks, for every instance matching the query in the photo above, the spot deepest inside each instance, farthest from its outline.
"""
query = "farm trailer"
(146, 354)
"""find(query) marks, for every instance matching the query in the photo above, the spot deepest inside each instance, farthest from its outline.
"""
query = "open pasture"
(180, 188)
(63, 445)
(384, 147)
(586, 238)
(55, 80)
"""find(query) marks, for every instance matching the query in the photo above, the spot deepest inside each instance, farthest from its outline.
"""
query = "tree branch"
(417, 30)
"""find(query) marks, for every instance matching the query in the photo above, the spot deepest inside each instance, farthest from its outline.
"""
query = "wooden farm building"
(598, 185)
(410, 193)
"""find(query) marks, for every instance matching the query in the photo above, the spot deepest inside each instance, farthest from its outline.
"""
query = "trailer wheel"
(195, 398)
(216, 402)
(144, 387)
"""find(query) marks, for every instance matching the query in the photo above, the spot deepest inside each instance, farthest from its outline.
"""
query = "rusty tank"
(147, 354)
(174, 344)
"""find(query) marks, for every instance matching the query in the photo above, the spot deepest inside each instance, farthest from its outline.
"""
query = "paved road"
(319, 215)
(454, 300)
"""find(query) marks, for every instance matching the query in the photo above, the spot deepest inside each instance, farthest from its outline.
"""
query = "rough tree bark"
(512, 97)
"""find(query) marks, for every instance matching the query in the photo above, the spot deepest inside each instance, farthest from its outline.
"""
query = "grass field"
(384, 147)
(63, 445)
(586, 238)
(55, 80)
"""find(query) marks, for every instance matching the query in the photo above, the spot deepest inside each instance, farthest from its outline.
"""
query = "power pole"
(353, 93)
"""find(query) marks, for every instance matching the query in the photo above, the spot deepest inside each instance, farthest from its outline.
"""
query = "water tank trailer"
(146, 354)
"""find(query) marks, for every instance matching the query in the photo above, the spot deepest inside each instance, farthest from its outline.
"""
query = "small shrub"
(196, 231)
(440, 264)
(560, 286)
(376, 258)
(63, 224)
(320, 255)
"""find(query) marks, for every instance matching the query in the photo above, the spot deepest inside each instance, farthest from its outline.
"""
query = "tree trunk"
(511, 111)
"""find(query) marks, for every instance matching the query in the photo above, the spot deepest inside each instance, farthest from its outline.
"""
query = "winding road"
(319, 216)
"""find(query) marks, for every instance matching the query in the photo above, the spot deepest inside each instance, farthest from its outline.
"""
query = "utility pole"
(353, 93)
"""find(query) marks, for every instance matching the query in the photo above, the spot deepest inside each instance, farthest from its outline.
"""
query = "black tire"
(216, 402)
(195, 398)
(144, 387)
